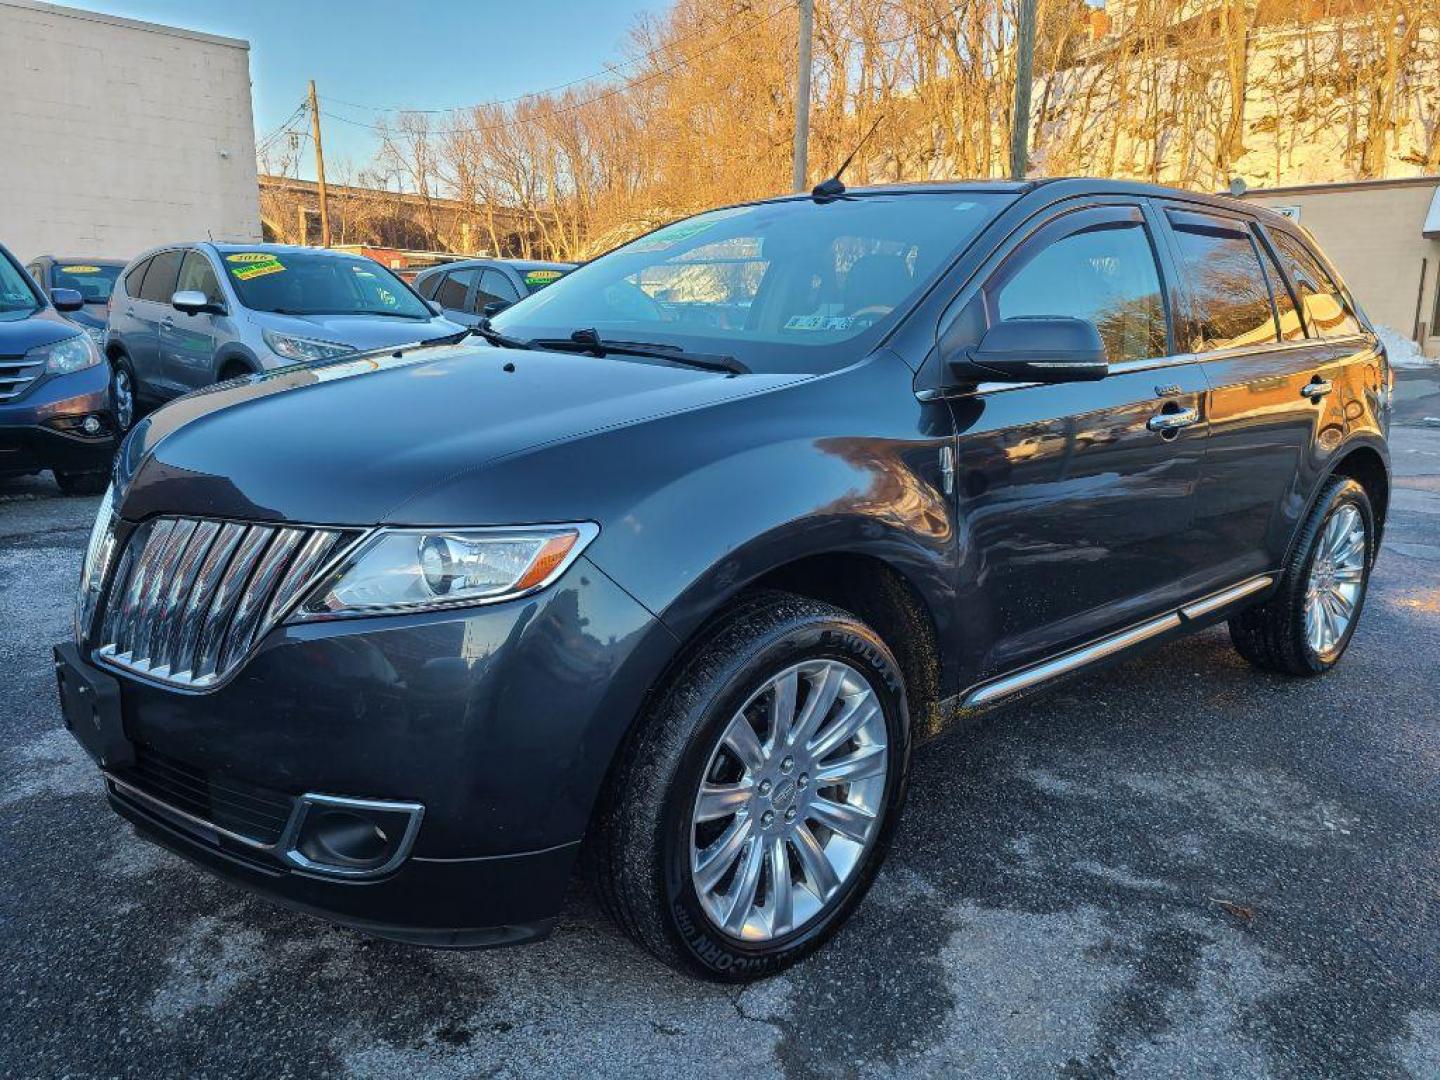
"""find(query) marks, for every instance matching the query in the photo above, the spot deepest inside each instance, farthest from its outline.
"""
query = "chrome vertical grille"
(190, 598)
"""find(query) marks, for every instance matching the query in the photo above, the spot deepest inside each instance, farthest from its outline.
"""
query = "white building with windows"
(116, 135)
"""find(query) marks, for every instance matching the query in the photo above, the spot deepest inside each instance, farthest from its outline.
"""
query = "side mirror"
(67, 299)
(1044, 349)
(494, 307)
(435, 307)
(193, 302)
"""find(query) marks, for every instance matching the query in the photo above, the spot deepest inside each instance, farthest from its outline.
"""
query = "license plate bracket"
(90, 707)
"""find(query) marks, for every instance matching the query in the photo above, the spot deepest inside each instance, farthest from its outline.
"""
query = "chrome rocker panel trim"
(994, 690)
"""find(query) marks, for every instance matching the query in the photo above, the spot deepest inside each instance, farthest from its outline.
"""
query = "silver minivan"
(185, 316)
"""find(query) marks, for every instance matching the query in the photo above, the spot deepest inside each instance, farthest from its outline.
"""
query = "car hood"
(350, 441)
(18, 336)
(362, 331)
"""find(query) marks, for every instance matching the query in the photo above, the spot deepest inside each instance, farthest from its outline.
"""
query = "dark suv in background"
(685, 552)
(93, 279)
(480, 288)
(55, 402)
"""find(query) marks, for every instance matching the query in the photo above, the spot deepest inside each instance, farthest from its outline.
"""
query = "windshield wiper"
(483, 329)
(590, 341)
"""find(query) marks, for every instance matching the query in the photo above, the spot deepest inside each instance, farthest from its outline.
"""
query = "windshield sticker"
(820, 322)
(671, 235)
(253, 264)
(537, 279)
(80, 269)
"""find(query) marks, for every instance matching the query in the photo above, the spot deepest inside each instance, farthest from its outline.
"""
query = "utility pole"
(320, 167)
(1024, 67)
(801, 166)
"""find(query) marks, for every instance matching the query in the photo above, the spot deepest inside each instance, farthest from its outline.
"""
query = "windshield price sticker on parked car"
(538, 279)
(819, 322)
(252, 264)
(80, 269)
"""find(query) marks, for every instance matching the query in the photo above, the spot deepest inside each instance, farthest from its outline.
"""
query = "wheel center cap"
(783, 795)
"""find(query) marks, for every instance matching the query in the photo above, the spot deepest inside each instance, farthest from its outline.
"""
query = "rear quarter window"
(1327, 312)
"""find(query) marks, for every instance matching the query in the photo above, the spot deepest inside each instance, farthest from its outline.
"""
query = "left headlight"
(67, 355)
(98, 553)
(399, 570)
(304, 349)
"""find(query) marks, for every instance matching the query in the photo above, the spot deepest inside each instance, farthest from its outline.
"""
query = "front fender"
(694, 506)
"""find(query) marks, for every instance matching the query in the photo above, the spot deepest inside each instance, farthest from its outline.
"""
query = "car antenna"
(833, 188)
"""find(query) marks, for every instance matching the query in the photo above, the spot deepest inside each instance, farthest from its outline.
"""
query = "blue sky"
(434, 54)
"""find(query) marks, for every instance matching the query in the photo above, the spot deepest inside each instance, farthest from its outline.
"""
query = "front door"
(1076, 500)
(187, 342)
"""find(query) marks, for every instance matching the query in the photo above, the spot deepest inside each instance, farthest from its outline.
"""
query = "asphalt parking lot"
(1174, 867)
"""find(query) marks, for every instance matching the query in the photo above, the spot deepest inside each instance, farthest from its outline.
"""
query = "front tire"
(1305, 627)
(122, 394)
(750, 809)
(82, 483)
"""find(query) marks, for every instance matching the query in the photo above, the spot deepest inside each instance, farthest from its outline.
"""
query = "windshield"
(302, 283)
(785, 286)
(92, 281)
(17, 298)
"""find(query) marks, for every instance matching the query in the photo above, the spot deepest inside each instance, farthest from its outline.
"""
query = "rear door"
(1269, 401)
(1075, 501)
(145, 315)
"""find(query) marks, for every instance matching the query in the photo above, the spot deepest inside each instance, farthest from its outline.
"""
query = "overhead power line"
(609, 70)
(611, 92)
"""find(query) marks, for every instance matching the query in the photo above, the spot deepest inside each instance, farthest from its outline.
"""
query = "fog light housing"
(91, 425)
(353, 838)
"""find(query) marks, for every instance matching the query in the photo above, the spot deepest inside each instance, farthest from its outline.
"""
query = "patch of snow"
(1403, 352)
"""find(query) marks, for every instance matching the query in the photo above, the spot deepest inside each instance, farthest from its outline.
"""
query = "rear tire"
(653, 853)
(1306, 625)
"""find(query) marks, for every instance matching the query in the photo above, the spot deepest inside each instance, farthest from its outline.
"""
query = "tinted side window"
(495, 286)
(136, 277)
(196, 273)
(1292, 328)
(426, 286)
(1230, 300)
(1326, 312)
(1087, 266)
(160, 280)
(451, 293)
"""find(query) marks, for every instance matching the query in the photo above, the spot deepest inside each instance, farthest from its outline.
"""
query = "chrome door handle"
(1173, 421)
(168, 322)
(1316, 390)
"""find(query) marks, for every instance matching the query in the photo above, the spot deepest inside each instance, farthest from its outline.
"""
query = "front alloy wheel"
(122, 394)
(751, 807)
(790, 801)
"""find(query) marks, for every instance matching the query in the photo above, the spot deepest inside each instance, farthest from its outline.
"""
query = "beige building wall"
(1372, 232)
(116, 135)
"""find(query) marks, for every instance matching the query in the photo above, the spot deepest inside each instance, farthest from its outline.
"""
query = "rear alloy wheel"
(1305, 627)
(750, 809)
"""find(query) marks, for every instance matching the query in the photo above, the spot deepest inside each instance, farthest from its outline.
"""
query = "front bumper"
(500, 721)
(31, 437)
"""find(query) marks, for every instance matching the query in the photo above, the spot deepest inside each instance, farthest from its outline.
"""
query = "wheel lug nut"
(803, 782)
(787, 764)
(766, 819)
(790, 814)
(764, 787)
